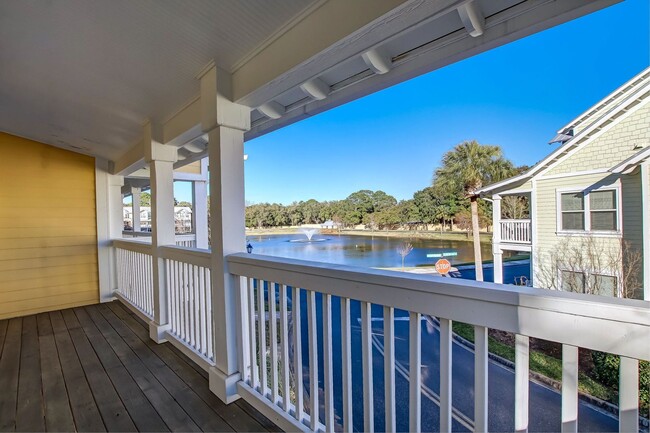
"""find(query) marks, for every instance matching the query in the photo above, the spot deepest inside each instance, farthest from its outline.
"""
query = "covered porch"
(310, 346)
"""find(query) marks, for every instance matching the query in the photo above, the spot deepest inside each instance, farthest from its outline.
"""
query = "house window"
(604, 285)
(573, 211)
(602, 206)
(584, 282)
(572, 281)
(594, 211)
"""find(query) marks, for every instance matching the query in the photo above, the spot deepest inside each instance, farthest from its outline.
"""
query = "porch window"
(602, 205)
(573, 211)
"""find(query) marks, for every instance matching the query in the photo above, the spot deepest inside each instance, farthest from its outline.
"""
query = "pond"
(381, 252)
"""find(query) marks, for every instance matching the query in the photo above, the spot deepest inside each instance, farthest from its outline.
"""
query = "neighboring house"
(588, 201)
(329, 224)
(182, 218)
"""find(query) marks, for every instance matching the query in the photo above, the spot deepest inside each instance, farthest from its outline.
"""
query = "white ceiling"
(85, 74)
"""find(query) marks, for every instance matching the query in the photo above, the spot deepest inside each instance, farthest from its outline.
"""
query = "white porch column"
(161, 160)
(200, 213)
(135, 200)
(645, 203)
(110, 222)
(225, 123)
(497, 252)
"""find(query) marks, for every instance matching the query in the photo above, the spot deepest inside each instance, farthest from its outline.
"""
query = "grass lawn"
(540, 363)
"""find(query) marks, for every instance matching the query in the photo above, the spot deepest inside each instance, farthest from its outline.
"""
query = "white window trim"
(616, 187)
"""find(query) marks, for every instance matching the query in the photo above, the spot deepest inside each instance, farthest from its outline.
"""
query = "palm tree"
(465, 169)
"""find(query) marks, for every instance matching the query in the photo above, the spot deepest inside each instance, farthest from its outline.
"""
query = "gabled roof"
(623, 99)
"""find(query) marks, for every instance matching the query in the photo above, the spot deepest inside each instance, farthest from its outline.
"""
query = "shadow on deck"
(94, 368)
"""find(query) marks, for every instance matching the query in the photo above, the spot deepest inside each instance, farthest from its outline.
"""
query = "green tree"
(145, 199)
(464, 170)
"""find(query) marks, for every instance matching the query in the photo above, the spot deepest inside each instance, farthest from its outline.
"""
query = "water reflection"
(366, 251)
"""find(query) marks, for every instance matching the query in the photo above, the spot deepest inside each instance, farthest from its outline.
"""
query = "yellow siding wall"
(48, 234)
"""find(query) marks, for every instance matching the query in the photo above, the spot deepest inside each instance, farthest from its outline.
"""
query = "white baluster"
(628, 397)
(346, 364)
(328, 374)
(261, 315)
(297, 353)
(480, 379)
(521, 382)
(569, 389)
(313, 360)
(254, 373)
(284, 342)
(273, 330)
(389, 368)
(366, 352)
(445, 374)
(415, 372)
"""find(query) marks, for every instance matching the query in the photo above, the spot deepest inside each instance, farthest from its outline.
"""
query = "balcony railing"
(515, 231)
(295, 317)
(182, 240)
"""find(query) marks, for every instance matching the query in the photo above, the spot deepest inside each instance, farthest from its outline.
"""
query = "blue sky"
(515, 96)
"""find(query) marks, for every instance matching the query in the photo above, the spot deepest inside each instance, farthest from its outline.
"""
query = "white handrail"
(133, 245)
(568, 318)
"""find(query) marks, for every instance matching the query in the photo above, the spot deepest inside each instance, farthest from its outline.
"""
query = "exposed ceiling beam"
(472, 18)
(316, 88)
(377, 60)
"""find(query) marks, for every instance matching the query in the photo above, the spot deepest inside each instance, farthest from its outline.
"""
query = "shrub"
(606, 368)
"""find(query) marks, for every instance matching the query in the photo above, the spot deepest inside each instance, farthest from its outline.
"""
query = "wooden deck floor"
(95, 369)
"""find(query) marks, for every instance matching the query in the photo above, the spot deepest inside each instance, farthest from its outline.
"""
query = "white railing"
(190, 298)
(182, 240)
(134, 274)
(515, 231)
(186, 240)
(273, 346)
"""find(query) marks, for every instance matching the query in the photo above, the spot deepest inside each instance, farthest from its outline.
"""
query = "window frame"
(586, 191)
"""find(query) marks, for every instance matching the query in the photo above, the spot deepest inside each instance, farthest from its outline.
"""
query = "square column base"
(223, 386)
(158, 332)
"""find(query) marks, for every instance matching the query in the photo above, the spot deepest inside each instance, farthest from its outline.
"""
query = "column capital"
(217, 107)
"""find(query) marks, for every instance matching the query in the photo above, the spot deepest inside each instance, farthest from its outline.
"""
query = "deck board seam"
(145, 367)
(183, 394)
(111, 370)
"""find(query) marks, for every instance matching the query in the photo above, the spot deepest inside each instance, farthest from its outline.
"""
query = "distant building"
(330, 225)
(182, 218)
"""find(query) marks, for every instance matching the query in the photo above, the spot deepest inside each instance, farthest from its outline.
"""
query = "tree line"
(447, 201)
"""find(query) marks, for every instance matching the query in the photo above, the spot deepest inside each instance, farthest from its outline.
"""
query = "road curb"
(606, 406)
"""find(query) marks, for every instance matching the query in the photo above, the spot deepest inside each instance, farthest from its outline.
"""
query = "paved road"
(545, 404)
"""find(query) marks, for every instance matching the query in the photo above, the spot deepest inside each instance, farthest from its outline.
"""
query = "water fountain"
(309, 233)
